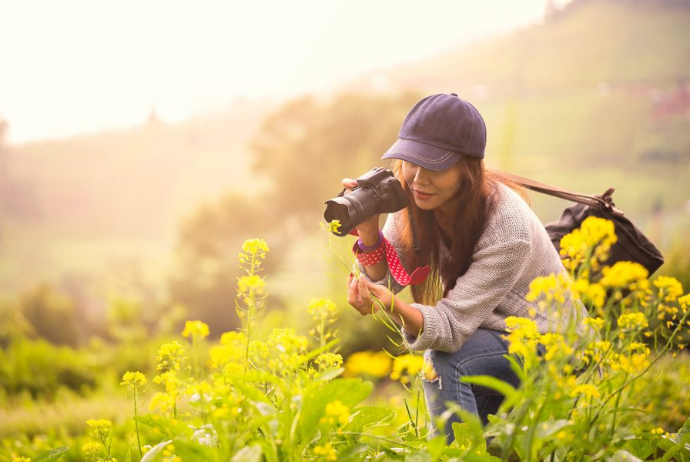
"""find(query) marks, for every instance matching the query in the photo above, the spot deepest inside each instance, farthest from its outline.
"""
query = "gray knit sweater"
(513, 250)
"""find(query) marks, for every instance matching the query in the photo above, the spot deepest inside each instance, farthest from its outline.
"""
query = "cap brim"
(425, 155)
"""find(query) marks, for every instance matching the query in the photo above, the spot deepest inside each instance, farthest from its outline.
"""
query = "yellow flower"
(100, 428)
(92, 451)
(585, 389)
(669, 288)
(195, 329)
(406, 366)
(249, 283)
(593, 241)
(133, 380)
(658, 431)
(326, 451)
(162, 402)
(522, 338)
(624, 274)
(336, 411)
(590, 293)
(368, 363)
(322, 309)
(233, 338)
(328, 361)
(170, 356)
(23, 459)
(596, 323)
(555, 344)
(333, 226)
(632, 321)
(255, 246)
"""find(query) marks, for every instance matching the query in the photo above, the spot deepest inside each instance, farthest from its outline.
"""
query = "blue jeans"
(481, 354)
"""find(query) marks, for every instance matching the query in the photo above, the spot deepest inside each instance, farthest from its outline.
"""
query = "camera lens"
(351, 210)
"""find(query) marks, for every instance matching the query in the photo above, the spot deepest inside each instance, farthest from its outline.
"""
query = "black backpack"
(632, 244)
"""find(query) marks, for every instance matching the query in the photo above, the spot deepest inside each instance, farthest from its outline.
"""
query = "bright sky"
(74, 66)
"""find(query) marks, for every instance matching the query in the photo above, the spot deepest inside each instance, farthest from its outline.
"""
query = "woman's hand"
(361, 294)
(368, 230)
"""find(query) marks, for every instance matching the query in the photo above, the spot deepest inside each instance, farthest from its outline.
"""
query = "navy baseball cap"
(438, 131)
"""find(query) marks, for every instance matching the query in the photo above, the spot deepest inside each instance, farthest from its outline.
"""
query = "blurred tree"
(208, 246)
(307, 147)
(52, 315)
(13, 324)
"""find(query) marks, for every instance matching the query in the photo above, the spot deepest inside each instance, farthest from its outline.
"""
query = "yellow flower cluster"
(100, 428)
(406, 366)
(255, 246)
(333, 226)
(170, 356)
(336, 412)
(633, 363)
(669, 288)
(632, 321)
(368, 363)
(549, 293)
(555, 346)
(92, 451)
(290, 348)
(523, 337)
(195, 329)
(322, 309)
(327, 451)
(587, 389)
(133, 380)
(251, 283)
(625, 275)
(589, 244)
(328, 361)
(21, 459)
(592, 294)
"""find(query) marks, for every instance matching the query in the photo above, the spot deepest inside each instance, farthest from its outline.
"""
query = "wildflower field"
(615, 391)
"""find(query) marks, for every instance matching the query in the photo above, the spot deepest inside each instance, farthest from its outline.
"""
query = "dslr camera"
(377, 191)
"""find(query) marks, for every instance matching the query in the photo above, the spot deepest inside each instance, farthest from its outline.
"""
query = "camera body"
(377, 191)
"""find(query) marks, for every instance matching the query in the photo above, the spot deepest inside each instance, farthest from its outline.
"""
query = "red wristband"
(369, 259)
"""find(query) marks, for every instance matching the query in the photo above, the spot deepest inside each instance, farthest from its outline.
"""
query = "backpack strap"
(603, 201)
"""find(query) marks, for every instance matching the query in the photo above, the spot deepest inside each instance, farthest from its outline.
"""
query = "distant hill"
(94, 202)
(132, 182)
(596, 96)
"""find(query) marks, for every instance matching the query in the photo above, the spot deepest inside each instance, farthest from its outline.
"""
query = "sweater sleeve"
(491, 275)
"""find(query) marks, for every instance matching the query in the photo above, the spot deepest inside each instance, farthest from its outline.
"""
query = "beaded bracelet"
(367, 248)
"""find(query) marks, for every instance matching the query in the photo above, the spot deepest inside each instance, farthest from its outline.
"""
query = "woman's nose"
(421, 176)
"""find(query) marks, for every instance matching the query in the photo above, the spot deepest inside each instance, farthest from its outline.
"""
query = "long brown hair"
(471, 215)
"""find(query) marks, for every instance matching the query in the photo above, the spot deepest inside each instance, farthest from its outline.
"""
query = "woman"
(483, 246)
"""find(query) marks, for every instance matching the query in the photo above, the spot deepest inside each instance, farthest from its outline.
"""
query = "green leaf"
(469, 433)
(51, 455)
(623, 456)
(329, 374)
(367, 416)
(548, 428)
(350, 392)
(492, 383)
(252, 453)
(419, 456)
(169, 427)
(354, 453)
(154, 451)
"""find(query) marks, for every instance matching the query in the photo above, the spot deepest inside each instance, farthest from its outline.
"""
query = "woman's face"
(431, 189)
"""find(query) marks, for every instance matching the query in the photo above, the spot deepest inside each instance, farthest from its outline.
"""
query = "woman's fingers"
(349, 183)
